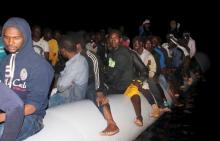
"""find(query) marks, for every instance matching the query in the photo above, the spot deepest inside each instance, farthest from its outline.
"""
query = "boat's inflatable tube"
(82, 121)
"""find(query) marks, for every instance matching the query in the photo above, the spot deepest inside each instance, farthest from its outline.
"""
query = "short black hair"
(68, 42)
(115, 31)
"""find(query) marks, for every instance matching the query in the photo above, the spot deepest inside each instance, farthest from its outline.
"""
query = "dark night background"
(192, 17)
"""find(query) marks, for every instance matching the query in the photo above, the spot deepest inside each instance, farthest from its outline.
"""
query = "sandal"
(109, 133)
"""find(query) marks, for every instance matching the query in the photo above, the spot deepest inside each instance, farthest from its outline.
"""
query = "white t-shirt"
(43, 44)
(192, 47)
(147, 57)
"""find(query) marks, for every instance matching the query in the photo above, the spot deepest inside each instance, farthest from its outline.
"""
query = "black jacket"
(124, 66)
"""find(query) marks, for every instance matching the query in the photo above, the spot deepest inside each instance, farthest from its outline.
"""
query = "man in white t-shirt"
(145, 56)
(40, 45)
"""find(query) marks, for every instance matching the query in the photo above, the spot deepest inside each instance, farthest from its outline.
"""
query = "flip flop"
(109, 133)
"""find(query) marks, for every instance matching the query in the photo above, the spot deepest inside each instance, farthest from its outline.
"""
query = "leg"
(31, 125)
(136, 101)
(155, 109)
(133, 92)
(111, 128)
(12, 105)
(57, 99)
(91, 92)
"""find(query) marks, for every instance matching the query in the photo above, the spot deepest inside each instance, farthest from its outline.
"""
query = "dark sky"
(93, 16)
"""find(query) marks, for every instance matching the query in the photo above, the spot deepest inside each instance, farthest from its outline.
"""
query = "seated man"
(96, 90)
(121, 71)
(72, 82)
(27, 74)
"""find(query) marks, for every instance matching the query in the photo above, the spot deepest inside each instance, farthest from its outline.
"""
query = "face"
(57, 36)
(63, 53)
(13, 39)
(146, 25)
(114, 40)
(48, 36)
(154, 42)
(36, 32)
(148, 45)
(137, 45)
(173, 24)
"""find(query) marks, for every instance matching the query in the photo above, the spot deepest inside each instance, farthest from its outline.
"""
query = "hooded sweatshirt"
(25, 72)
(12, 105)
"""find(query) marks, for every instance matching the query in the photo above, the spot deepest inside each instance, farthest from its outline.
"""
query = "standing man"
(27, 74)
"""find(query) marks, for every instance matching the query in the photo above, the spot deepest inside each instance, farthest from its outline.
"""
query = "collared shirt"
(75, 72)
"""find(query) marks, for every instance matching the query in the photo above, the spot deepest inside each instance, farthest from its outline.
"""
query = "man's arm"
(28, 110)
(65, 80)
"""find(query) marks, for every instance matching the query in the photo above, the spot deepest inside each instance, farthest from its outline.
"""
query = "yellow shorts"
(132, 90)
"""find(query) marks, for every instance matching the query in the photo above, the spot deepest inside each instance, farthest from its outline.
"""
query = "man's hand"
(137, 83)
(29, 109)
(2, 117)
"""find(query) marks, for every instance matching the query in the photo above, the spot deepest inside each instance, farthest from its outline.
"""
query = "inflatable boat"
(82, 121)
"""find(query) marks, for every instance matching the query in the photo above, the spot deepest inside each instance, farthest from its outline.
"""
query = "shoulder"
(38, 62)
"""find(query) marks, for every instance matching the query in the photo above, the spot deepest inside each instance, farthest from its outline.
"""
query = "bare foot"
(110, 130)
(165, 109)
(155, 111)
(138, 121)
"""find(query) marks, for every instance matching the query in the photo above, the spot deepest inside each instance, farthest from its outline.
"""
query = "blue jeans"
(75, 93)
(1, 129)
(31, 125)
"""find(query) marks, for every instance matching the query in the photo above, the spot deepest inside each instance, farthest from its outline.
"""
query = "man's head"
(148, 43)
(67, 46)
(13, 39)
(114, 38)
(16, 34)
(156, 40)
(186, 35)
(36, 32)
(146, 24)
(48, 34)
(137, 44)
(173, 24)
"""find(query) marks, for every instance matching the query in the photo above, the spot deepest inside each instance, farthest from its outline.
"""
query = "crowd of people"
(79, 65)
